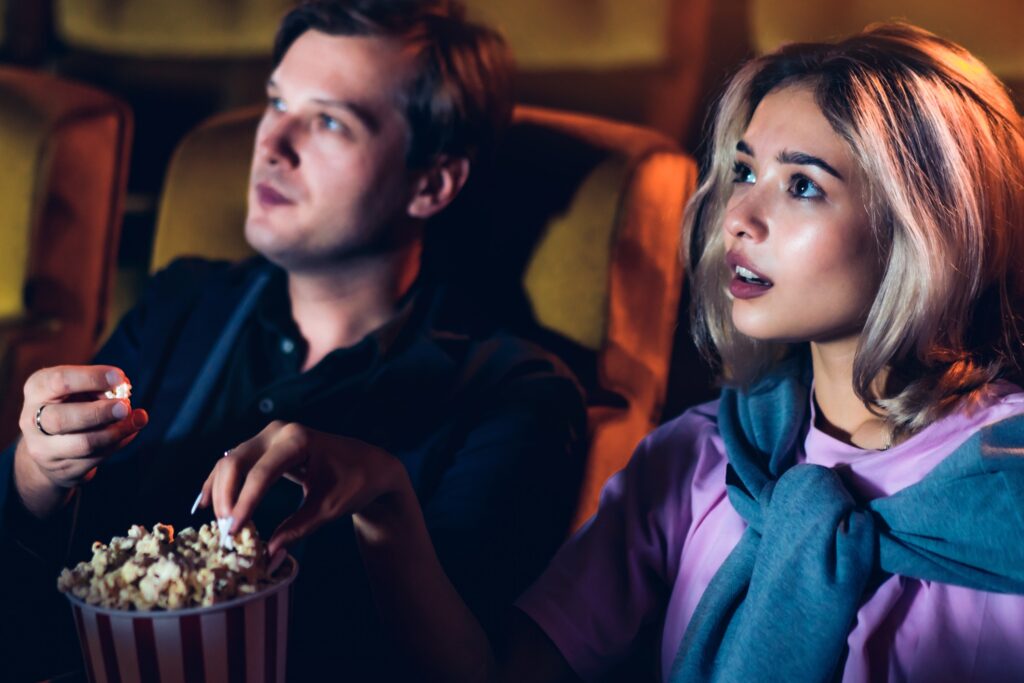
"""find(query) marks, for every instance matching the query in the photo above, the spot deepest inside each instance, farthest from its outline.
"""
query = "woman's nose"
(744, 217)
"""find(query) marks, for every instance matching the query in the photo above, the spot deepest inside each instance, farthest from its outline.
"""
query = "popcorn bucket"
(239, 640)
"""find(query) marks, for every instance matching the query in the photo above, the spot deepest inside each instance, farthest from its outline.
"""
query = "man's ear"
(438, 186)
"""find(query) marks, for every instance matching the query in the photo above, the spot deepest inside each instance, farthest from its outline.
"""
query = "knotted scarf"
(782, 604)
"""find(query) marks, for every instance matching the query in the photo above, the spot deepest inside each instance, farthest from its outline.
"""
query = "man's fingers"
(70, 418)
(50, 384)
(70, 472)
(112, 435)
(92, 443)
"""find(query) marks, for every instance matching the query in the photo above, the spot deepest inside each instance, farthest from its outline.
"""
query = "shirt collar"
(274, 314)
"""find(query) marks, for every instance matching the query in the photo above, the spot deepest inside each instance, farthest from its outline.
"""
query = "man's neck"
(338, 308)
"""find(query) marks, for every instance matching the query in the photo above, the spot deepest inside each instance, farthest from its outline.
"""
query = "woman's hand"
(338, 476)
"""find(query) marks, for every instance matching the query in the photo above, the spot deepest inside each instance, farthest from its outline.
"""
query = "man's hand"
(67, 428)
(338, 476)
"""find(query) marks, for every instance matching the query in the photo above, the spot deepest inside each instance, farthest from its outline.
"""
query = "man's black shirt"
(489, 429)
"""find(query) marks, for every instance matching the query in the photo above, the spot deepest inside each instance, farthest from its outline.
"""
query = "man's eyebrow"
(803, 159)
(742, 146)
(365, 116)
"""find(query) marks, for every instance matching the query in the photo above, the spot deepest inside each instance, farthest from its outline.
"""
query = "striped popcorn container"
(240, 640)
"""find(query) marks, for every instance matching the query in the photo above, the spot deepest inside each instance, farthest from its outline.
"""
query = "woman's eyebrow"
(803, 159)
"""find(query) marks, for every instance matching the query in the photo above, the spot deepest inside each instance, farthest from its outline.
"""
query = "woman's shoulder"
(993, 405)
(695, 424)
(686, 447)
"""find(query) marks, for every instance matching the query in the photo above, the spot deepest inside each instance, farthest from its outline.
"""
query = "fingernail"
(276, 559)
(114, 378)
(195, 505)
(138, 419)
(119, 411)
(228, 451)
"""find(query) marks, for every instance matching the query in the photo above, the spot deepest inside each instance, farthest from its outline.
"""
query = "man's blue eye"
(803, 187)
(276, 103)
(330, 123)
(741, 173)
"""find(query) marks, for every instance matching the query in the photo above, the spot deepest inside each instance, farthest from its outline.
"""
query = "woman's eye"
(803, 187)
(276, 103)
(741, 173)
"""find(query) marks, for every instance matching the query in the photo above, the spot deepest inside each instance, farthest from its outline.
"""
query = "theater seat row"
(588, 264)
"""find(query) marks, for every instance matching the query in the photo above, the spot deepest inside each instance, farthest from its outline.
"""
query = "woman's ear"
(438, 186)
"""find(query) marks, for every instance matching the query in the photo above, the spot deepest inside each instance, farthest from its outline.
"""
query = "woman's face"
(798, 241)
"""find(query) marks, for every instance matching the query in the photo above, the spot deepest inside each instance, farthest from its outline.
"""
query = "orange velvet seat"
(573, 239)
(645, 62)
(61, 198)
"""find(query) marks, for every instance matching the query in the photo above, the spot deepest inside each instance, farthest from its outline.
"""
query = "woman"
(852, 505)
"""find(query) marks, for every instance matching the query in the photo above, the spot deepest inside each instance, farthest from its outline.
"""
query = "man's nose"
(744, 217)
(277, 141)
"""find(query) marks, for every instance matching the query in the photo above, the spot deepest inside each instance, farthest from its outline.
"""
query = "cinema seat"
(573, 241)
(644, 62)
(65, 149)
(991, 31)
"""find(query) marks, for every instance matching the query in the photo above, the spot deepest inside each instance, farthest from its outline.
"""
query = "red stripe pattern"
(145, 644)
(242, 643)
(86, 651)
(107, 648)
(192, 648)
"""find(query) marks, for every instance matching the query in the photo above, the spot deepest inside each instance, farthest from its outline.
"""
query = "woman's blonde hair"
(942, 148)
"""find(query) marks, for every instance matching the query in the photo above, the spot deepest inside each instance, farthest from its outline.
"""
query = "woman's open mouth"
(746, 283)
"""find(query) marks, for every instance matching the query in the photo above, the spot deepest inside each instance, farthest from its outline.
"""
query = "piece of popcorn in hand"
(122, 390)
(224, 526)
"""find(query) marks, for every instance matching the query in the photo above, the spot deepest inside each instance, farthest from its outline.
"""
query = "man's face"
(329, 180)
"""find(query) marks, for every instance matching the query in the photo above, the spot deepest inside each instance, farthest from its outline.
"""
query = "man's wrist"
(38, 495)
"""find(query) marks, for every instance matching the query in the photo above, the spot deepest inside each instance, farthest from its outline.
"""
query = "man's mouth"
(268, 196)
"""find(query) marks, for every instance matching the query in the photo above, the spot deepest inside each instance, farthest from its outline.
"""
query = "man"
(377, 112)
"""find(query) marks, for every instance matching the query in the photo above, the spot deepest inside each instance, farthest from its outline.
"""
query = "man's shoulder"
(197, 275)
(190, 285)
(501, 358)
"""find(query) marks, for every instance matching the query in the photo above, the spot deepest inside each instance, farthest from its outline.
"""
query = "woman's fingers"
(235, 467)
(307, 519)
(288, 449)
(339, 476)
(226, 478)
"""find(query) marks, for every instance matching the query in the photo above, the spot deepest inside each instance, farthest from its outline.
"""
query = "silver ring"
(39, 424)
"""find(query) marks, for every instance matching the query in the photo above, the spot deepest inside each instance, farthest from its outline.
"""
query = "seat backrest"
(991, 30)
(171, 28)
(644, 62)
(573, 240)
(66, 148)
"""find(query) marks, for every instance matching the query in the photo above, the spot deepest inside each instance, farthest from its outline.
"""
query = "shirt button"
(266, 406)
(287, 345)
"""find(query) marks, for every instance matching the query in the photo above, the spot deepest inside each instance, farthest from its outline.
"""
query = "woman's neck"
(841, 413)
